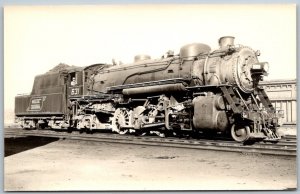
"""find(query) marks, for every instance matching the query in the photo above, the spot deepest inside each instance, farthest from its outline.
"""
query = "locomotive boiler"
(196, 91)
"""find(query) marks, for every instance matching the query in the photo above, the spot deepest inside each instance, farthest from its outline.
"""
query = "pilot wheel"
(240, 133)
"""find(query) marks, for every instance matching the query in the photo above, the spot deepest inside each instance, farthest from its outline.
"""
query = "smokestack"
(226, 41)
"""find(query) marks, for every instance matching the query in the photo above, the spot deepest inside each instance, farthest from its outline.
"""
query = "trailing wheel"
(121, 122)
(240, 133)
(39, 126)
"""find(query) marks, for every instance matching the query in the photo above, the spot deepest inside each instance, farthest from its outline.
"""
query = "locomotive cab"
(75, 83)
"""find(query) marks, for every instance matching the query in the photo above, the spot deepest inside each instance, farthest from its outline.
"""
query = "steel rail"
(218, 145)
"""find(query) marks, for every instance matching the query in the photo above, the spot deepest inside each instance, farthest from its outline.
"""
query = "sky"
(37, 38)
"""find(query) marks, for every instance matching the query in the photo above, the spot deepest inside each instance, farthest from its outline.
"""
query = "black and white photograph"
(150, 97)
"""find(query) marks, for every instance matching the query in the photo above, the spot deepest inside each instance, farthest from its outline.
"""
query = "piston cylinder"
(209, 113)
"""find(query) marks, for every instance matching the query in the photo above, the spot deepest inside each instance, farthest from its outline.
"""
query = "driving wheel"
(121, 121)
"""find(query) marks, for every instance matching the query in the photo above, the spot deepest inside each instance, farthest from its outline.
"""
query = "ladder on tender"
(232, 99)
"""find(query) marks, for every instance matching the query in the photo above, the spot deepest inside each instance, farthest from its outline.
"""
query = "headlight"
(256, 66)
(260, 68)
(265, 67)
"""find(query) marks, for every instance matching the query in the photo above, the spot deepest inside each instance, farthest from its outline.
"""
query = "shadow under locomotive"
(15, 145)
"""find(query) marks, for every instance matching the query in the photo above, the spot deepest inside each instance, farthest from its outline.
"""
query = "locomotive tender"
(195, 91)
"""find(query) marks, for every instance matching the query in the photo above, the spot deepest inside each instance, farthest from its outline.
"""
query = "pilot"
(73, 82)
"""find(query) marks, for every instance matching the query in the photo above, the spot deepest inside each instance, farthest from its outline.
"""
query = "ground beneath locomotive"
(82, 165)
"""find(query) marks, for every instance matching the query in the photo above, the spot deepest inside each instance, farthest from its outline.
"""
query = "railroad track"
(287, 146)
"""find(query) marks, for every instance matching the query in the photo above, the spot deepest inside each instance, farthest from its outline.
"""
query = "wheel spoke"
(121, 119)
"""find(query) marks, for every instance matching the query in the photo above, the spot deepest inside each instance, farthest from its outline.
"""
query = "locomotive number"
(74, 91)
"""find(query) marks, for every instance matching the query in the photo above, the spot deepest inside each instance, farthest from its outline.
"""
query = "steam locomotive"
(196, 91)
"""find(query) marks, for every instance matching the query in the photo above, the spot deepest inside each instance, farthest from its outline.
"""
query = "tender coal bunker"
(16, 145)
